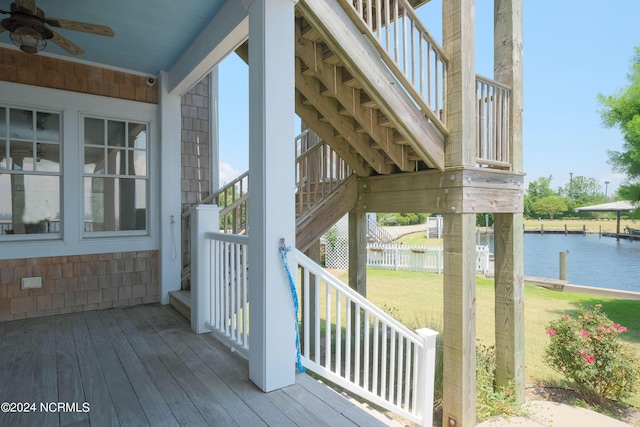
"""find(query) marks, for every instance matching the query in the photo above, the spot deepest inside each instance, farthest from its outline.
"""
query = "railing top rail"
(311, 150)
(241, 239)
(318, 271)
(492, 82)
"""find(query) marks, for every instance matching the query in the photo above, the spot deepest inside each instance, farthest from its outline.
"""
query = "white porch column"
(271, 185)
(170, 207)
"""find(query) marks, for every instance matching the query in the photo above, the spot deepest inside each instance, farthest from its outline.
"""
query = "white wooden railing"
(377, 233)
(493, 145)
(408, 49)
(354, 344)
(219, 291)
(319, 171)
(229, 289)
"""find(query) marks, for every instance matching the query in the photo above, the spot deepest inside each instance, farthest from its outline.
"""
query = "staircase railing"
(360, 348)
(377, 233)
(493, 145)
(233, 200)
(363, 349)
(408, 49)
(319, 171)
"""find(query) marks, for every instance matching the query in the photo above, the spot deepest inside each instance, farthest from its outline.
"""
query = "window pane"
(93, 131)
(138, 136)
(48, 157)
(116, 161)
(116, 134)
(21, 154)
(3, 122)
(21, 124)
(140, 163)
(32, 205)
(114, 204)
(94, 160)
(3, 154)
(48, 127)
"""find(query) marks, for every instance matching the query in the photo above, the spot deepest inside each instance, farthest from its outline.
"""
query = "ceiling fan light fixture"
(28, 39)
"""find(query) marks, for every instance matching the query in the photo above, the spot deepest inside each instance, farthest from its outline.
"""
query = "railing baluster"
(366, 368)
(327, 328)
(338, 368)
(306, 308)
(376, 356)
(392, 367)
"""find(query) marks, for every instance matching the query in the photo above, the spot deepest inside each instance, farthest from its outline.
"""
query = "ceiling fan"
(29, 31)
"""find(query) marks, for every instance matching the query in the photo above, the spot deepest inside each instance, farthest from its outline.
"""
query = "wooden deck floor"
(142, 366)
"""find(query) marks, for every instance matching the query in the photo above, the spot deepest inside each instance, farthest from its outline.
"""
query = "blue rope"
(294, 295)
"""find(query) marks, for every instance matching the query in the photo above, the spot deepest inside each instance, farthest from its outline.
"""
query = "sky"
(573, 51)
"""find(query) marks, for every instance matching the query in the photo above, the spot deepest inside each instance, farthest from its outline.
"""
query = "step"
(181, 302)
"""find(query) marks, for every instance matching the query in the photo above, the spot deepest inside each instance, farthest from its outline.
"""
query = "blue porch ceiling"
(150, 35)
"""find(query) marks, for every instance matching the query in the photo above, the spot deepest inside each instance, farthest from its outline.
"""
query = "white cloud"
(226, 173)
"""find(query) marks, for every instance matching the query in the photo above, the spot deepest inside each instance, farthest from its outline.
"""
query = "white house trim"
(170, 199)
(228, 30)
(271, 185)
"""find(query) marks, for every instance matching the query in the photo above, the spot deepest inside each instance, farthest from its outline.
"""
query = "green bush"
(587, 350)
(491, 400)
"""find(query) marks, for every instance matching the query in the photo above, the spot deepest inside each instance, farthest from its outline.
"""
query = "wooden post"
(459, 394)
(358, 251)
(563, 265)
(509, 239)
(272, 215)
(509, 301)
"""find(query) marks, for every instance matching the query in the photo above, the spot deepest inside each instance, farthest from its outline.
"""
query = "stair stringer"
(362, 61)
(316, 221)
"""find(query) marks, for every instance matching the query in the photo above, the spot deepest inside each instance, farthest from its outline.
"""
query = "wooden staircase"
(349, 96)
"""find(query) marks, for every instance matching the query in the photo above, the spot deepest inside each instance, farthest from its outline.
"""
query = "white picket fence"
(401, 257)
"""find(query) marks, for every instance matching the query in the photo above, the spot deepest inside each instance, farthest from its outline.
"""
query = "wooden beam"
(330, 76)
(358, 251)
(459, 392)
(325, 131)
(363, 62)
(509, 302)
(310, 89)
(459, 45)
(508, 68)
(469, 190)
(509, 252)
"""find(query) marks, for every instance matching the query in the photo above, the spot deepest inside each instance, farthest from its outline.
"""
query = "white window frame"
(147, 178)
(74, 107)
(35, 236)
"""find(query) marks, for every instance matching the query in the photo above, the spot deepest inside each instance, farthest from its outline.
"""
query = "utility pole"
(606, 187)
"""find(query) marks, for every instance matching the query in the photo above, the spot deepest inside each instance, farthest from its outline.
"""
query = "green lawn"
(415, 299)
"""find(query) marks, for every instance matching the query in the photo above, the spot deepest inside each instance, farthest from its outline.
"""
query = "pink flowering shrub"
(587, 350)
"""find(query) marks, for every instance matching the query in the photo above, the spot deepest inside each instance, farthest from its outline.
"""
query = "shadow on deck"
(141, 366)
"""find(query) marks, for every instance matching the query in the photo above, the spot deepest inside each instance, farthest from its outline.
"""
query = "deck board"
(144, 366)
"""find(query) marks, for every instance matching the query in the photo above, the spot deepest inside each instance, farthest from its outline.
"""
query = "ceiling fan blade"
(64, 43)
(85, 27)
(27, 4)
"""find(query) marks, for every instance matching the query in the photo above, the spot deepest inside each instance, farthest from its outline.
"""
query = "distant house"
(102, 155)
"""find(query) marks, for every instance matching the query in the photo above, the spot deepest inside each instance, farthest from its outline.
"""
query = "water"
(592, 260)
